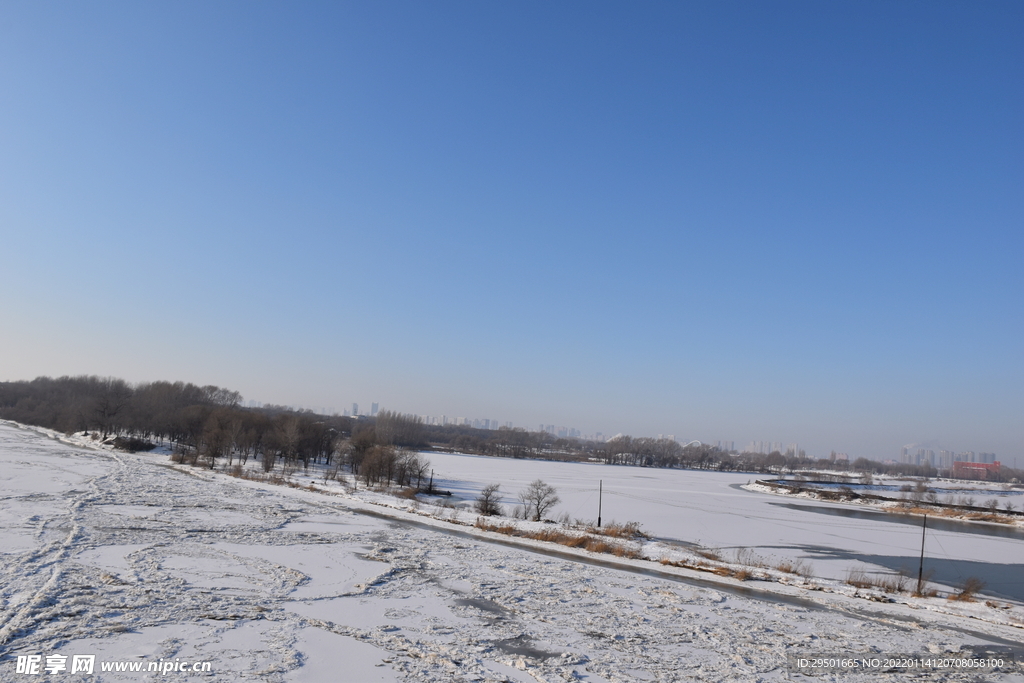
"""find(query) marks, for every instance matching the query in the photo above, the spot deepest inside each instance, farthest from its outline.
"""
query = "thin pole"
(600, 491)
(920, 566)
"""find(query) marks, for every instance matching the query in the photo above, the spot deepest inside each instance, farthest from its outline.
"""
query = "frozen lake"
(709, 508)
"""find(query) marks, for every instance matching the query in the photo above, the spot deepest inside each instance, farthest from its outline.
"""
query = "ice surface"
(710, 509)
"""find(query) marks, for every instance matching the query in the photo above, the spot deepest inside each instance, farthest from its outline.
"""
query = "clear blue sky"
(778, 221)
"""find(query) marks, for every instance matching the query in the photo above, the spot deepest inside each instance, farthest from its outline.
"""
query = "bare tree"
(399, 430)
(487, 502)
(113, 397)
(537, 499)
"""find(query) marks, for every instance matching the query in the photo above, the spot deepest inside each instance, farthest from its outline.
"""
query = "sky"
(794, 222)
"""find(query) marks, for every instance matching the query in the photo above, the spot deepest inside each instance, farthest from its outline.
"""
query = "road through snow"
(129, 559)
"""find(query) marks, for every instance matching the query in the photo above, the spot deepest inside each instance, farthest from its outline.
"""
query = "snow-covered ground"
(133, 560)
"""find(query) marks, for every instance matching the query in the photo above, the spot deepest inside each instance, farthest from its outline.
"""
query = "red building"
(974, 470)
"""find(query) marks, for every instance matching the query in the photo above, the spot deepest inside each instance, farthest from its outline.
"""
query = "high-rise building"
(355, 410)
(374, 407)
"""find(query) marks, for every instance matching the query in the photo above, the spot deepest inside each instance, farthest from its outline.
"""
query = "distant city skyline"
(912, 454)
(792, 222)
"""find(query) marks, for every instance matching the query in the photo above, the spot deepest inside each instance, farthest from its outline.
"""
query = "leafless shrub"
(487, 502)
(970, 587)
(749, 558)
(269, 460)
(893, 583)
(890, 583)
(858, 579)
(133, 444)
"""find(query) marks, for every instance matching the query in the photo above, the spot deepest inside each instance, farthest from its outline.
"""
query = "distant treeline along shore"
(208, 424)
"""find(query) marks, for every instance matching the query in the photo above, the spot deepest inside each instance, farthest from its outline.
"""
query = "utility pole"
(920, 566)
(600, 492)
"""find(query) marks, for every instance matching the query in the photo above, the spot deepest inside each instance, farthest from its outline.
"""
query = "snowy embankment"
(129, 558)
(908, 504)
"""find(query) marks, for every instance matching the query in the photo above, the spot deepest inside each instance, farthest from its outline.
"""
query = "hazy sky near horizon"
(791, 221)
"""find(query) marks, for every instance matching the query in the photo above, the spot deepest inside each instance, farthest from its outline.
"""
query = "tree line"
(209, 424)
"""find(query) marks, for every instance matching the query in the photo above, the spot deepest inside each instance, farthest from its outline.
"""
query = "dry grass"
(890, 583)
(742, 574)
(507, 529)
(630, 530)
(554, 535)
(797, 567)
(968, 589)
(858, 579)
(894, 583)
(712, 554)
